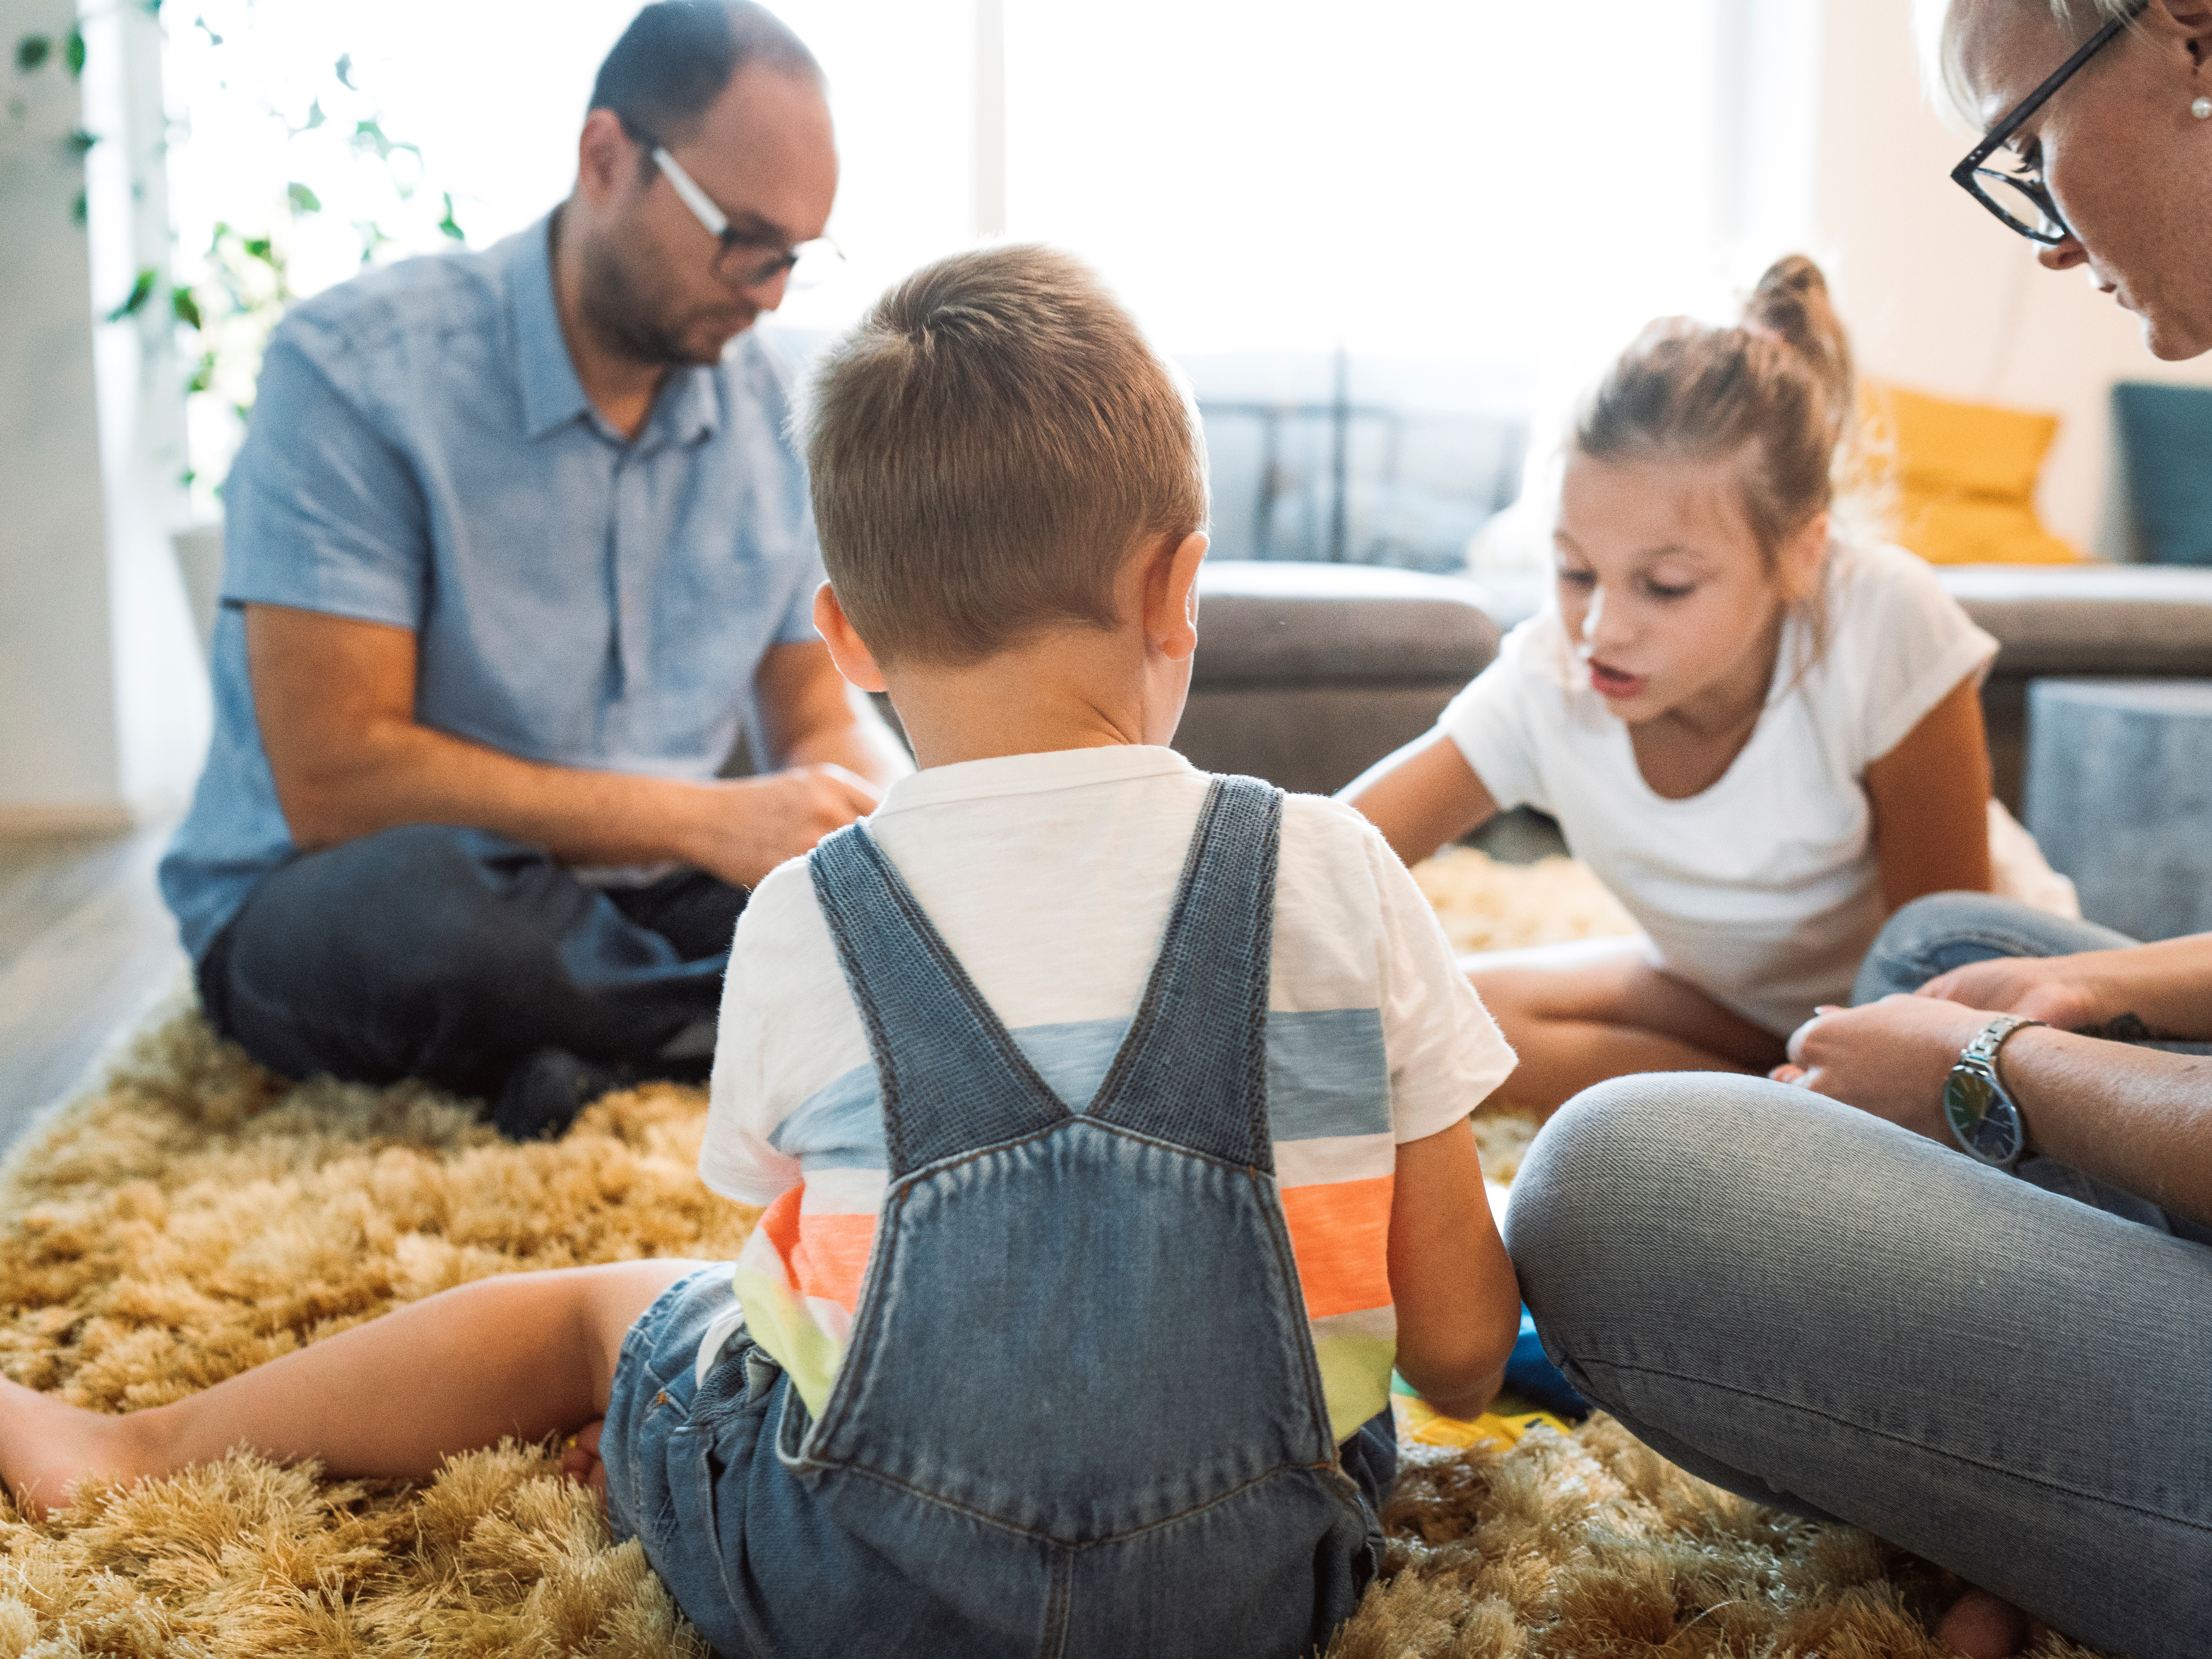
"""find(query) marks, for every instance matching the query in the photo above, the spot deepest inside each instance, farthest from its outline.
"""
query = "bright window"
(1473, 199)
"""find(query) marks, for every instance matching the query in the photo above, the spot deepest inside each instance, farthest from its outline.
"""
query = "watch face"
(1982, 1118)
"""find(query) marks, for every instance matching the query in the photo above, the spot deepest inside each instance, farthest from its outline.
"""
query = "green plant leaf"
(203, 374)
(202, 25)
(303, 200)
(77, 209)
(141, 291)
(343, 70)
(32, 53)
(73, 53)
(80, 140)
(187, 307)
(258, 247)
(447, 224)
(315, 116)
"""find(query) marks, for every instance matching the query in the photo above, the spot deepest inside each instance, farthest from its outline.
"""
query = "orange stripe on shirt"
(829, 1258)
(1340, 1235)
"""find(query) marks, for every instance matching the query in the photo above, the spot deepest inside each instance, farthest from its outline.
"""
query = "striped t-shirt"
(1050, 878)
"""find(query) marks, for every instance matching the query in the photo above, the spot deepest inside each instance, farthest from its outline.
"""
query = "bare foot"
(1981, 1626)
(580, 1459)
(47, 1447)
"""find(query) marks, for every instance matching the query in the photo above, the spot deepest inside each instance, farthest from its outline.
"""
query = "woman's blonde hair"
(1777, 393)
(1940, 23)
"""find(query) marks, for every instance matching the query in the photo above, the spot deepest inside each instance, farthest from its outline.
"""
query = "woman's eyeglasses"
(2020, 197)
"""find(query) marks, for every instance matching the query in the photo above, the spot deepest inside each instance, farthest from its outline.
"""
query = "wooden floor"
(86, 948)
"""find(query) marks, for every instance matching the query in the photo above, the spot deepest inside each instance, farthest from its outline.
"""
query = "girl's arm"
(1458, 1302)
(1421, 797)
(1930, 796)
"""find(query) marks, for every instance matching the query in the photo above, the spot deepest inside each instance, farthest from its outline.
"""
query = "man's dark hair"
(677, 55)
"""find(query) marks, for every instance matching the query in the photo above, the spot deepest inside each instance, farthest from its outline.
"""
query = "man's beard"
(624, 318)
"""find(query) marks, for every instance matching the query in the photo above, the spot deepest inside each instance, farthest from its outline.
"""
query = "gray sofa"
(2122, 621)
(1307, 674)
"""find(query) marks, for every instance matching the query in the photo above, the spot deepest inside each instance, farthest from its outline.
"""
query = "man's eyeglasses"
(743, 259)
(2021, 198)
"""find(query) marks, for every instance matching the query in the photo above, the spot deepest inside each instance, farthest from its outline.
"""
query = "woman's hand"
(1889, 1058)
(2067, 992)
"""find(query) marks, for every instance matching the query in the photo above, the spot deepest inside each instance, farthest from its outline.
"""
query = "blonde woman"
(1833, 1297)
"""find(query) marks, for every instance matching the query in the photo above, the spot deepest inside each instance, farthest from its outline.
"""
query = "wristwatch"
(1982, 1115)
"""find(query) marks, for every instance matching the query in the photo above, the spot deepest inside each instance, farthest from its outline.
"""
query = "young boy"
(1111, 1119)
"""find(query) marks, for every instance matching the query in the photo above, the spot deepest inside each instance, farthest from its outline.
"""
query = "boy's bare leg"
(1576, 1026)
(521, 1354)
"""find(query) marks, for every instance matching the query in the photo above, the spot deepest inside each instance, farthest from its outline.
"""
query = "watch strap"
(1992, 1037)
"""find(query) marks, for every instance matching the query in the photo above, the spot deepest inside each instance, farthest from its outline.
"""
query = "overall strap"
(1194, 1070)
(951, 1077)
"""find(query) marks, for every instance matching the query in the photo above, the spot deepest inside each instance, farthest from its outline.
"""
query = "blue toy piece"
(1530, 1374)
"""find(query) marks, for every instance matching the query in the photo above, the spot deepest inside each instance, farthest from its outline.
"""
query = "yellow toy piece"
(1420, 1425)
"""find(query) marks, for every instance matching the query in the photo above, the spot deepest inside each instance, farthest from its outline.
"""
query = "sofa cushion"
(2166, 440)
(2090, 619)
(1966, 478)
(1310, 625)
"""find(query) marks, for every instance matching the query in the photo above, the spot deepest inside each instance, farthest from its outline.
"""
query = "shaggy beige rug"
(196, 1216)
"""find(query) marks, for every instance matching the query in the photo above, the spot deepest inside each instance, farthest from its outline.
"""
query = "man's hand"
(745, 827)
(1889, 1058)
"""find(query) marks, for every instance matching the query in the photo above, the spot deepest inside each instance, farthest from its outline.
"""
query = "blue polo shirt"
(421, 453)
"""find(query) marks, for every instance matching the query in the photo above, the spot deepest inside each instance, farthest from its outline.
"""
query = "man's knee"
(420, 902)
(347, 959)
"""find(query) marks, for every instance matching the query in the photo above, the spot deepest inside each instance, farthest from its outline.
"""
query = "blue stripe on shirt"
(1327, 1075)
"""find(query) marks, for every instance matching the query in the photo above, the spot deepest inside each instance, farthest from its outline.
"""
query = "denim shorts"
(662, 1442)
(754, 1562)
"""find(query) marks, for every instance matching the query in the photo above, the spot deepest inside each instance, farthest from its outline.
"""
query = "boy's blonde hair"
(987, 447)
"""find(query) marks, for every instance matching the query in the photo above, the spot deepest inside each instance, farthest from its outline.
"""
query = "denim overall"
(1079, 1414)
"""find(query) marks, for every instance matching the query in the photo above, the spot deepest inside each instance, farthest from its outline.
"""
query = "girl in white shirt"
(1763, 738)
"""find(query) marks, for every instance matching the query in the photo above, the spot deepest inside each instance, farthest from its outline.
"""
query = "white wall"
(1939, 295)
(103, 702)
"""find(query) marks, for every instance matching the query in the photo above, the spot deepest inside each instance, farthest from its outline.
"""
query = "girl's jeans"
(1814, 1308)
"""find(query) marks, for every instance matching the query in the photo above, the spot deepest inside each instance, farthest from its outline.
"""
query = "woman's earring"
(2202, 109)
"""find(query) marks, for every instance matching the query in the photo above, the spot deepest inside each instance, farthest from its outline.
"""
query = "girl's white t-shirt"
(1762, 890)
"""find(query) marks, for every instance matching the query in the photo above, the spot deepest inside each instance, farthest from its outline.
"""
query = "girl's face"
(1669, 603)
(2130, 167)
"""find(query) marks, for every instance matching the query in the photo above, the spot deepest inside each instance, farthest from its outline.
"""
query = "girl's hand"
(2067, 992)
(1889, 1058)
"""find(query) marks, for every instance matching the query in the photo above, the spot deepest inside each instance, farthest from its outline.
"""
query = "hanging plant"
(226, 297)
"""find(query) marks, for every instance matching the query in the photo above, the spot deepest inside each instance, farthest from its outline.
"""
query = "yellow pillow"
(1966, 478)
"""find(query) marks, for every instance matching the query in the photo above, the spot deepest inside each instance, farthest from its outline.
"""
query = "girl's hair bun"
(1791, 300)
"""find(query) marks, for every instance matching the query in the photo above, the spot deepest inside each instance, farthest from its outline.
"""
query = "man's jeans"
(450, 954)
(1829, 1314)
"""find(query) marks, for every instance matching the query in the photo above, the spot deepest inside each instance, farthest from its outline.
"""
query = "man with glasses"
(517, 549)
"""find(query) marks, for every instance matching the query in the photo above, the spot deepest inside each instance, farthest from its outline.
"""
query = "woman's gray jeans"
(1809, 1306)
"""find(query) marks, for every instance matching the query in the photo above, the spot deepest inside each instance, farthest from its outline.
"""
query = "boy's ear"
(847, 649)
(1171, 596)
